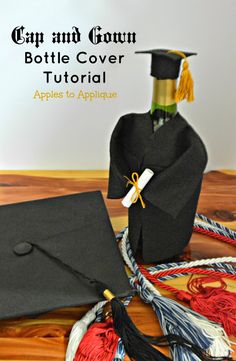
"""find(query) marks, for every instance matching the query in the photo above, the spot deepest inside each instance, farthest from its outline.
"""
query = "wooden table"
(45, 337)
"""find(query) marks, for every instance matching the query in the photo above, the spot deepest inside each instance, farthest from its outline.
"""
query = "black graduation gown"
(178, 157)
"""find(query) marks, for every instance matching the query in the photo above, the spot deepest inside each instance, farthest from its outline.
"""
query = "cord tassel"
(215, 303)
(99, 343)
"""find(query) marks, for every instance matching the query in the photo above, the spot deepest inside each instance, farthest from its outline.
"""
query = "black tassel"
(135, 343)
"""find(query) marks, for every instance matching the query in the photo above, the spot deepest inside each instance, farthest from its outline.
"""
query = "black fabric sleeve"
(117, 183)
(171, 189)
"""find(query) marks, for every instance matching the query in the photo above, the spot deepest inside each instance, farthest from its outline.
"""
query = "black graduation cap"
(165, 63)
(77, 231)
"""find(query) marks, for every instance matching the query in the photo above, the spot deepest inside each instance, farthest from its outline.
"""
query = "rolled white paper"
(142, 182)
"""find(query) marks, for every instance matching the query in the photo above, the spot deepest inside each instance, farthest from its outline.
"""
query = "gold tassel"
(186, 83)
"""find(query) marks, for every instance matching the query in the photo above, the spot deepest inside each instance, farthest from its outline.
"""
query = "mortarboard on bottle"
(165, 68)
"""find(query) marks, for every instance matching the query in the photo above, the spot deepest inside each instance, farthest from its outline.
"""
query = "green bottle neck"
(172, 108)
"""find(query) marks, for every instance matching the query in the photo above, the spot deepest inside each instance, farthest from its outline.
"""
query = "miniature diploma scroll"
(142, 182)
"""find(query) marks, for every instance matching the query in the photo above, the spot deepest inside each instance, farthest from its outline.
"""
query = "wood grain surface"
(45, 337)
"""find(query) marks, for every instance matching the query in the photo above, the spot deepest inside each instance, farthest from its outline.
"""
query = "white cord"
(129, 264)
(201, 262)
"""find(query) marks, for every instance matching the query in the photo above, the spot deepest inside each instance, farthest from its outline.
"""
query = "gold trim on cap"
(164, 91)
(108, 295)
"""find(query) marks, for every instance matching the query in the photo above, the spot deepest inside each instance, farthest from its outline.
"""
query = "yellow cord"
(137, 194)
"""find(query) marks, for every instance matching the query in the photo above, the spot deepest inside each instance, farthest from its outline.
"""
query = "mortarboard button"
(22, 248)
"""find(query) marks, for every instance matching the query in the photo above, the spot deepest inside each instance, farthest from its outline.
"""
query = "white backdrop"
(63, 134)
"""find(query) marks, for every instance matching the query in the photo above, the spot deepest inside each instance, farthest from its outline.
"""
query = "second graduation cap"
(77, 231)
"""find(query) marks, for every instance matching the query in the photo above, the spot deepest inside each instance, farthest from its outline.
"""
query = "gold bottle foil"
(164, 91)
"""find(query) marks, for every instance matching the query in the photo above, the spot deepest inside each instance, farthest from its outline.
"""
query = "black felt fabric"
(76, 229)
(178, 158)
(165, 65)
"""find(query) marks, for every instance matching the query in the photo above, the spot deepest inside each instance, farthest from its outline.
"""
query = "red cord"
(183, 295)
(214, 235)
